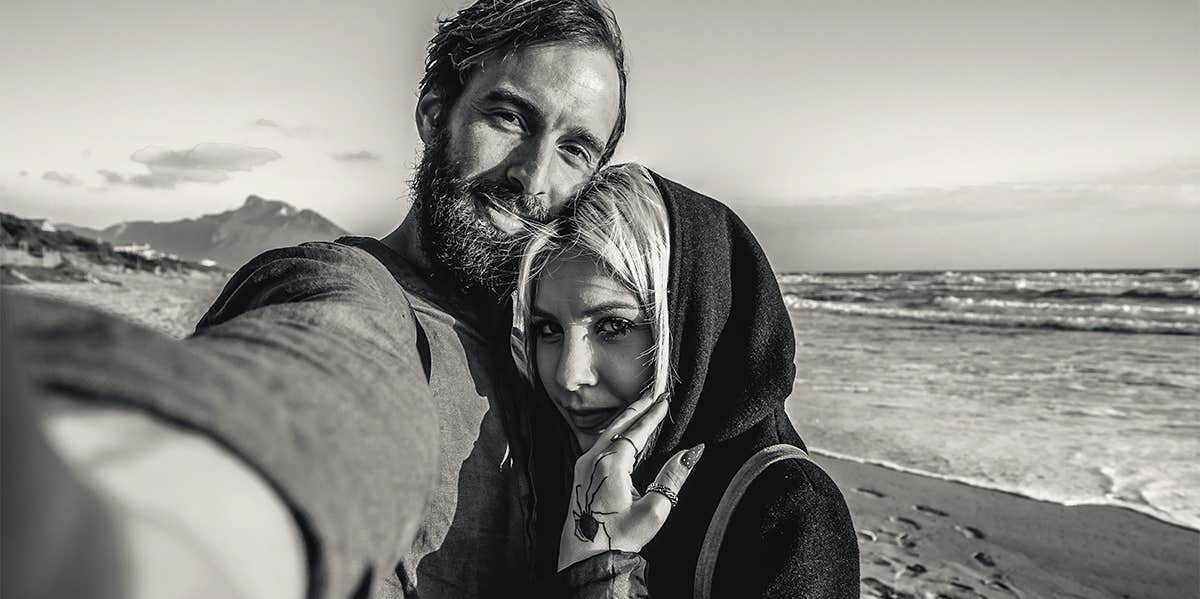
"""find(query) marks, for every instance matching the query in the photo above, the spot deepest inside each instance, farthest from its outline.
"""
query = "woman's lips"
(590, 421)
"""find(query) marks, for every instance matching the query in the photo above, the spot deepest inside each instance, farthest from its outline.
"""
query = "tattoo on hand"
(587, 525)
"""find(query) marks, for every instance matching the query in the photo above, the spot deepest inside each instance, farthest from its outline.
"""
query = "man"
(521, 102)
(507, 140)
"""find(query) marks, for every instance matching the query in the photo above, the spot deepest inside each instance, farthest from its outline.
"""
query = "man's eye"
(578, 152)
(507, 118)
(613, 328)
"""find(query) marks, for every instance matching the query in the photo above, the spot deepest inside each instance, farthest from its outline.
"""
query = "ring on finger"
(665, 492)
(619, 437)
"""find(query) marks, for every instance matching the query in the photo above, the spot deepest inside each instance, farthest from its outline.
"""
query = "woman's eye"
(546, 330)
(614, 328)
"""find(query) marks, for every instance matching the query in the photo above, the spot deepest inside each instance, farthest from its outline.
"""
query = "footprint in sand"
(869, 492)
(906, 521)
(984, 559)
(1003, 586)
(884, 590)
(867, 535)
(905, 542)
(932, 511)
(915, 569)
(969, 531)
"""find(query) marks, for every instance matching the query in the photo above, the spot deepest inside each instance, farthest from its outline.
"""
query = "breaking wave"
(1001, 319)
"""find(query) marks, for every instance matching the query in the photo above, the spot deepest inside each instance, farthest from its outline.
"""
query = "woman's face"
(593, 344)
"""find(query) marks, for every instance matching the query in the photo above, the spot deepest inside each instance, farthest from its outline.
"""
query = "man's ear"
(430, 115)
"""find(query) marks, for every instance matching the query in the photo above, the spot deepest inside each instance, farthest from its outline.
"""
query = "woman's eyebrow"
(610, 306)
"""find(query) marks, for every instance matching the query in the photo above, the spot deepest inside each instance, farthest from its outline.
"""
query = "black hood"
(732, 346)
(732, 351)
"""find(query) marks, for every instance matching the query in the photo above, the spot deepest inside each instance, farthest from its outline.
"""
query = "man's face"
(524, 136)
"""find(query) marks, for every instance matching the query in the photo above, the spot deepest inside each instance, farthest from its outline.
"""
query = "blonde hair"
(620, 221)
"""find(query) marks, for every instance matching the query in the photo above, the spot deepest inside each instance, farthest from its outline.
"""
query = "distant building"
(139, 249)
(145, 251)
(43, 224)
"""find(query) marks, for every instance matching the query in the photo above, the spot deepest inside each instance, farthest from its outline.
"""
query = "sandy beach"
(170, 303)
(919, 536)
(926, 537)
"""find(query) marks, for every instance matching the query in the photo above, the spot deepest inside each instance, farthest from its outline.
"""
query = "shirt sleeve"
(306, 368)
(609, 575)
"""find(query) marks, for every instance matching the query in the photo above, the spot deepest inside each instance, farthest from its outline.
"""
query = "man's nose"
(530, 168)
(576, 367)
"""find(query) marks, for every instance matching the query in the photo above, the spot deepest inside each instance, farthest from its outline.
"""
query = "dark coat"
(732, 355)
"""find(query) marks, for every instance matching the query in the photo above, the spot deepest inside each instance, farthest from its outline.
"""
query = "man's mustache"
(507, 196)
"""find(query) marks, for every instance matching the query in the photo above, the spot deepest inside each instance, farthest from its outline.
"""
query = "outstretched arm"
(190, 517)
(312, 383)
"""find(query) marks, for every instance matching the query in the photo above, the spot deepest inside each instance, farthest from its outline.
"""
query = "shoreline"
(996, 488)
(928, 536)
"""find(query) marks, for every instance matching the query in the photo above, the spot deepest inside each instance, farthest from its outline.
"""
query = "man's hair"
(490, 28)
(620, 222)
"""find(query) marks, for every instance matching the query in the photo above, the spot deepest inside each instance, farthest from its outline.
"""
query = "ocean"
(1078, 387)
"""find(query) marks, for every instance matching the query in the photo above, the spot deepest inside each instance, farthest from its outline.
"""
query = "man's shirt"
(475, 535)
(476, 538)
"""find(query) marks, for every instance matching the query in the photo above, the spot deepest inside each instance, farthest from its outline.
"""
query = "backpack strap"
(702, 584)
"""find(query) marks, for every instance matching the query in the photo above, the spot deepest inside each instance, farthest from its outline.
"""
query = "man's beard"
(457, 235)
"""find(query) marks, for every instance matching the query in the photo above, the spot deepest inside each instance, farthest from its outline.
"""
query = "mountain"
(230, 238)
(34, 250)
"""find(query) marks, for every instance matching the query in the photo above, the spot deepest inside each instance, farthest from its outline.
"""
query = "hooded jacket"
(732, 358)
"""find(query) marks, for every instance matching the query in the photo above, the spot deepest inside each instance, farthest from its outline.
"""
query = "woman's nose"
(577, 366)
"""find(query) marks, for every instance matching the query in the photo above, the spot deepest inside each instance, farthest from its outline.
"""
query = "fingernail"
(664, 396)
(692, 456)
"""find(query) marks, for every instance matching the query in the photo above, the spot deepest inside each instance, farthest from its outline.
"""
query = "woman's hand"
(606, 512)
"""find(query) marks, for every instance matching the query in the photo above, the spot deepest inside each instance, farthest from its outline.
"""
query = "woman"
(647, 289)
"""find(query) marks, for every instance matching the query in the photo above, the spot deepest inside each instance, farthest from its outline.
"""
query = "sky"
(850, 134)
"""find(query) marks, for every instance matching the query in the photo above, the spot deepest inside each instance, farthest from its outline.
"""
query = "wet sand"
(925, 537)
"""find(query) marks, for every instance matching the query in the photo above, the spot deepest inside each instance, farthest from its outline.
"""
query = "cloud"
(204, 163)
(359, 156)
(111, 177)
(60, 178)
(206, 158)
(998, 205)
(1177, 172)
(154, 181)
(287, 131)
